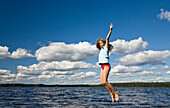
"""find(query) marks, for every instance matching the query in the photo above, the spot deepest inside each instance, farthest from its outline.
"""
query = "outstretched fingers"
(111, 26)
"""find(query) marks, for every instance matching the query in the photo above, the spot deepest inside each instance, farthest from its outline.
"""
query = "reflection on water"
(83, 97)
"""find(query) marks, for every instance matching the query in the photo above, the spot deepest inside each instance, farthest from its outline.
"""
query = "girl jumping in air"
(105, 48)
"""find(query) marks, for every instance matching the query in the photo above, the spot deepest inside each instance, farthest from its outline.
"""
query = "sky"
(53, 42)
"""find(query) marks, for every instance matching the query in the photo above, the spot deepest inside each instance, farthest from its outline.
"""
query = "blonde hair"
(104, 41)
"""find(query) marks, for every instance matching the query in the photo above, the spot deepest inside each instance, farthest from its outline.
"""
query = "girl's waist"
(104, 63)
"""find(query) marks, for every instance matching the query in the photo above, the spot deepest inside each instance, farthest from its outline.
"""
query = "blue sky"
(37, 27)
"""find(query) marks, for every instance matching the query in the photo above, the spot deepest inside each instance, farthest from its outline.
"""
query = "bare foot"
(112, 96)
(117, 96)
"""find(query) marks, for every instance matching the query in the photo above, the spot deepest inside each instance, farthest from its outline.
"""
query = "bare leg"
(115, 92)
(106, 72)
(111, 94)
(103, 82)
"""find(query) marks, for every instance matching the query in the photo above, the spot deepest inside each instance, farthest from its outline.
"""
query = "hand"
(111, 26)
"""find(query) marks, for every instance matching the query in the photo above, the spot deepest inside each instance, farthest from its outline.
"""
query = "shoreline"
(131, 84)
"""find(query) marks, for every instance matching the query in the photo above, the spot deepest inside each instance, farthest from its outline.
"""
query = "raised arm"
(108, 36)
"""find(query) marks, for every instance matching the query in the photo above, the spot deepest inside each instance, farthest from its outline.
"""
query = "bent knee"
(104, 83)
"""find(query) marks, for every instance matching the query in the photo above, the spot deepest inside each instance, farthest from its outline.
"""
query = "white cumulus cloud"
(57, 51)
(164, 14)
(6, 76)
(146, 57)
(123, 69)
(168, 72)
(83, 75)
(4, 52)
(19, 53)
(146, 73)
(125, 47)
(166, 68)
(54, 66)
(4, 72)
(121, 75)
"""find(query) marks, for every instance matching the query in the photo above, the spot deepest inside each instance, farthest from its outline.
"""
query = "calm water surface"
(82, 97)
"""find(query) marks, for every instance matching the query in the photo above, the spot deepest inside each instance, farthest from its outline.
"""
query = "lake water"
(83, 97)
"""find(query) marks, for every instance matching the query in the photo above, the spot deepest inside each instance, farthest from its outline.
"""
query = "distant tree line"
(133, 84)
(143, 84)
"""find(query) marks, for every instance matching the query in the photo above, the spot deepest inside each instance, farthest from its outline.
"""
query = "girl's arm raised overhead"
(108, 36)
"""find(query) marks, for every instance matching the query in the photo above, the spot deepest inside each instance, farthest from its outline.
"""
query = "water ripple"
(83, 97)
